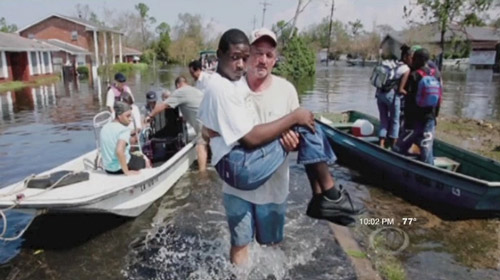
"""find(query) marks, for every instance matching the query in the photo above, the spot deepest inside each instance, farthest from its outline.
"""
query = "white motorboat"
(101, 193)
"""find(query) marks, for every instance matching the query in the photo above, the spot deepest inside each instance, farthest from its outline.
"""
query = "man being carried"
(247, 155)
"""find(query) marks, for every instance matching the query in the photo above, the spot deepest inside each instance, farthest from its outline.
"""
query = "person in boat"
(200, 77)
(117, 90)
(151, 100)
(188, 99)
(247, 153)
(115, 143)
(165, 94)
(389, 98)
(420, 118)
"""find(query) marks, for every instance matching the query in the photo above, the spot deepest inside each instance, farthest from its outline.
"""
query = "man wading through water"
(246, 154)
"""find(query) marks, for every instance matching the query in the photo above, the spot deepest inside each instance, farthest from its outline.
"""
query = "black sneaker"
(313, 211)
(344, 206)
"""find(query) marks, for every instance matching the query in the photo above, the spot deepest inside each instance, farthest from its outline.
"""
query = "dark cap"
(151, 96)
(119, 77)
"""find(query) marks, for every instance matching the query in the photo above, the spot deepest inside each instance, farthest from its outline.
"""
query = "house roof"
(14, 43)
(130, 51)
(67, 47)
(90, 26)
(430, 34)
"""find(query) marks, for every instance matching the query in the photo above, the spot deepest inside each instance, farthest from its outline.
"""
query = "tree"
(188, 35)
(143, 10)
(496, 23)
(384, 29)
(298, 60)
(4, 27)
(162, 46)
(283, 31)
(446, 13)
(356, 27)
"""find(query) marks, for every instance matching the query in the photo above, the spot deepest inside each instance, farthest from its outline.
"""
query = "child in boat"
(421, 107)
(247, 155)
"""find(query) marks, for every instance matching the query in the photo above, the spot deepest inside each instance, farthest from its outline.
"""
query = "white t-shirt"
(401, 70)
(110, 96)
(136, 118)
(271, 104)
(223, 110)
(202, 81)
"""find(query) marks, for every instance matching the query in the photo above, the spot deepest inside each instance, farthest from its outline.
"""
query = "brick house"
(131, 55)
(24, 59)
(102, 43)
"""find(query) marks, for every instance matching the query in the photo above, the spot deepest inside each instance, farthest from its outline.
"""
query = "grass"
(123, 68)
(356, 254)
(11, 86)
(390, 268)
(15, 85)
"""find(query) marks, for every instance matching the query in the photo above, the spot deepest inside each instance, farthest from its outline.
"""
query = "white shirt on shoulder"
(202, 81)
(223, 110)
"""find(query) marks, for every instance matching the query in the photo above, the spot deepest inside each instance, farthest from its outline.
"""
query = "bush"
(83, 71)
(140, 66)
(148, 56)
(298, 61)
(122, 67)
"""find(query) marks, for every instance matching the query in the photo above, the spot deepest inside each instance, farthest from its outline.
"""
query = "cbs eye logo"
(390, 240)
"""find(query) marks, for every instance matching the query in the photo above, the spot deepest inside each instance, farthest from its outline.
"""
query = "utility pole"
(264, 8)
(254, 21)
(330, 32)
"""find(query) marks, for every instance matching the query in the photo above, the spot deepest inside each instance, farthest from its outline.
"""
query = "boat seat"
(343, 125)
(370, 139)
(446, 163)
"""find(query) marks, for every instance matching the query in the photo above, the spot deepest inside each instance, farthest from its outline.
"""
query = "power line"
(330, 32)
(264, 8)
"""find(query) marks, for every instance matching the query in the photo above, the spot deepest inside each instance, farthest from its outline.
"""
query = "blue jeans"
(246, 220)
(247, 170)
(422, 134)
(389, 108)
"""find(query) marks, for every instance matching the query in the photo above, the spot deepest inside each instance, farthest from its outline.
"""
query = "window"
(3, 66)
(80, 60)
(46, 62)
(34, 63)
(74, 35)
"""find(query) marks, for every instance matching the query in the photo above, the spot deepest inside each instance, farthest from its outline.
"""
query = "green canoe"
(461, 179)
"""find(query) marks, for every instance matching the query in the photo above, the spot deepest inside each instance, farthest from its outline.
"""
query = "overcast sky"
(225, 13)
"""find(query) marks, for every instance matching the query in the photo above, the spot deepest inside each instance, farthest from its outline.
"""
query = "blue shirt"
(111, 133)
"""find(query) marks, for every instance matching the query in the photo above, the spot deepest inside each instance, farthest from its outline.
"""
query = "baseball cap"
(151, 96)
(415, 48)
(119, 77)
(262, 32)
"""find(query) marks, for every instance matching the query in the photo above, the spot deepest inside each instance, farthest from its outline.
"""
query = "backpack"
(384, 75)
(429, 90)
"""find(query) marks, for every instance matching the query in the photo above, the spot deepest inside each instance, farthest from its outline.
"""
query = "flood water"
(184, 234)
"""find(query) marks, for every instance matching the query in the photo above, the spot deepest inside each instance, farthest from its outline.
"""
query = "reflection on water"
(472, 94)
(185, 233)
